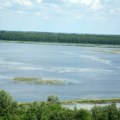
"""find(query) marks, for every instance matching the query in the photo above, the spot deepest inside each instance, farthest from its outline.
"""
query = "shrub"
(7, 104)
(53, 99)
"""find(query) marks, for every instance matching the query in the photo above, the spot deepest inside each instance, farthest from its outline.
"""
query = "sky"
(66, 16)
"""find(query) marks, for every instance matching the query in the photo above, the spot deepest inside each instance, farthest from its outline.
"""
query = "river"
(94, 72)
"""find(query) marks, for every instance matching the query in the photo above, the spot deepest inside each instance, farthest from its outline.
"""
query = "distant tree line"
(59, 37)
(52, 110)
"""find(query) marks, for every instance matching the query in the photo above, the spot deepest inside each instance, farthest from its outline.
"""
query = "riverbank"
(89, 104)
(83, 102)
(62, 44)
(97, 101)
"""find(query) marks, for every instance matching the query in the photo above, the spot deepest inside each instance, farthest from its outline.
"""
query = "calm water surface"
(93, 71)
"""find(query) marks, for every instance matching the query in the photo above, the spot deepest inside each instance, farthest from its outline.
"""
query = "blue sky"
(69, 16)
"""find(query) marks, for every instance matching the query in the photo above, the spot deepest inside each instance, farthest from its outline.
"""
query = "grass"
(69, 102)
(40, 81)
(98, 101)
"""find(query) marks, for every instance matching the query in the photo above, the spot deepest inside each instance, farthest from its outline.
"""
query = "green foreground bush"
(52, 110)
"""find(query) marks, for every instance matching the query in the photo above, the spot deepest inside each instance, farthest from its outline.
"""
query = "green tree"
(7, 104)
(99, 113)
(113, 113)
(34, 111)
(61, 115)
(82, 114)
(53, 99)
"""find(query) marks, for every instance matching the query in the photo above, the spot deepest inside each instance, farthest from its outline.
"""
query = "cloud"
(115, 11)
(100, 18)
(6, 3)
(38, 13)
(96, 5)
(21, 12)
(92, 4)
(78, 17)
(23, 2)
(42, 15)
(39, 1)
(70, 9)
(84, 2)
(57, 8)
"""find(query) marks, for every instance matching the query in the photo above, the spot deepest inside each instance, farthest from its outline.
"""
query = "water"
(88, 106)
(94, 72)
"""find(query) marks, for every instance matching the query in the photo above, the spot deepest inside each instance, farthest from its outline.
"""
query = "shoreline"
(86, 101)
(94, 101)
(63, 44)
(81, 104)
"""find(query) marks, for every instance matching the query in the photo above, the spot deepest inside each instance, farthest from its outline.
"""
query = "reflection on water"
(95, 73)
(87, 105)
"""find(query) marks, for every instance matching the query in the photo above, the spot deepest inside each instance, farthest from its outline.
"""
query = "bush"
(53, 99)
(7, 104)
(61, 115)
(113, 113)
(51, 110)
(34, 112)
(82, 115)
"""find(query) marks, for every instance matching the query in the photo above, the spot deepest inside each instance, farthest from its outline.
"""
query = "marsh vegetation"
(96, 101)
(40, 81)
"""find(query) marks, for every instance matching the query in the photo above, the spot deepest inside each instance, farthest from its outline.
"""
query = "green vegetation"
(38, 81)
(92, 101)
(7, 104)
(59, 37)
(53, 99)
(52, 110)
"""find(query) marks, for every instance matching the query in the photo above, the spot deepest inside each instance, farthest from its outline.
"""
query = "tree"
(113, 113)
(53, 99)
(34, 111)
(99, 113)
(7, 104)
(82, 115)
(61, 115)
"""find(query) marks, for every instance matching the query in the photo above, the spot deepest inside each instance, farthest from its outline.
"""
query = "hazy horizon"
(61, 16)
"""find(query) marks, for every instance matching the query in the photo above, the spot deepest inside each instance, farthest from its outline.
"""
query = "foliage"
(51, 110)
(82, 115)
(53, 99)
(99, 113)
(113, 113)
(59, 37)
(7, 104)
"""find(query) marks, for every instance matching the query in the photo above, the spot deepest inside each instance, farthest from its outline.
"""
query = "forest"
(51, 109)
(59, 37)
